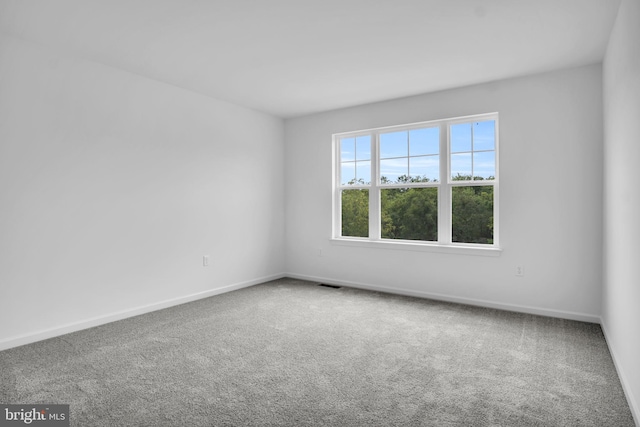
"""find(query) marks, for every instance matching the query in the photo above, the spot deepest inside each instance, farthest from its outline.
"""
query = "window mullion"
(472, 156)
(408, 155)
(337, 196)
(444, 192)
(374, 191)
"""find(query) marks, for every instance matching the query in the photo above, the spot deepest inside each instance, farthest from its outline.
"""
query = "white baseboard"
(101, 320)
(582, 317)
(634, 404)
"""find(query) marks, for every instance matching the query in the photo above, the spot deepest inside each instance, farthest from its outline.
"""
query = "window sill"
(477, 250)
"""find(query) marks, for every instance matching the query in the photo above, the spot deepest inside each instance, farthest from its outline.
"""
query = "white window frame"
(445, 186)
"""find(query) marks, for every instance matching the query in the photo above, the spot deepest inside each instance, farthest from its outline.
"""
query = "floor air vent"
(329, 286)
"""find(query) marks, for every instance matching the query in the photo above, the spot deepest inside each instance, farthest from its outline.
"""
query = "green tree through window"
(355, 213)
(472, 213)
(410, 213)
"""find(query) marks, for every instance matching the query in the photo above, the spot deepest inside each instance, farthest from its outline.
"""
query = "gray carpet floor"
(291, 353)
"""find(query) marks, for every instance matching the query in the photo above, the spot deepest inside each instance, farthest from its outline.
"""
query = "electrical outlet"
(205, 261)
(519, 270)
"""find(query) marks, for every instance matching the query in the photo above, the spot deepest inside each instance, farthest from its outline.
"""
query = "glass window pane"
(409, 213)
(425, 167)
(355, 213)
(363, 147)
(461, 137)
(424, 141)
(347, 149)
(472, 214)
(347, 173)
(392, 169)
(363, 172)
(461, 167)
(484, 135)
(484, 164)
(394, 144)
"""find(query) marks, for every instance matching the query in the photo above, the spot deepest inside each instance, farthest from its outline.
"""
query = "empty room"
(319, 213)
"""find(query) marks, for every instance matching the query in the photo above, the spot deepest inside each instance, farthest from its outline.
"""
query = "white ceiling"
(294, 57)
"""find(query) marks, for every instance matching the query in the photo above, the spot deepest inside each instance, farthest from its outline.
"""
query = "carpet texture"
(291, 353)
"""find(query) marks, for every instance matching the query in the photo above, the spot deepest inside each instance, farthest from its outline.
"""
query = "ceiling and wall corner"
(290, 58)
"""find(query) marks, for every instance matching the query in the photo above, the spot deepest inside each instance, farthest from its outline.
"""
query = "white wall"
(621, 292)
(550, 198)
(113, 187)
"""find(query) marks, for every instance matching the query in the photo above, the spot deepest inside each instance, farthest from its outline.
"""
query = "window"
(432, 183)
